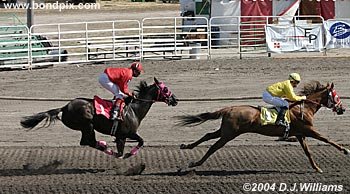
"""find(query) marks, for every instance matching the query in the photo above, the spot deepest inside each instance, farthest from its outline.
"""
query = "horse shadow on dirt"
(223, 172)
(52, 168)
(47, 169)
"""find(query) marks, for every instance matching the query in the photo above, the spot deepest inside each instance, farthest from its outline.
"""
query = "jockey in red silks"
(116, 81)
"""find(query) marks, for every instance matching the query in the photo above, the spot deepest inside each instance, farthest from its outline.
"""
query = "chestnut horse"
(79, 114)
(237, 120)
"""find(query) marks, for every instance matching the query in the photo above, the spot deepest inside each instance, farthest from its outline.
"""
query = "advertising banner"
(337, 34)
(294, 38)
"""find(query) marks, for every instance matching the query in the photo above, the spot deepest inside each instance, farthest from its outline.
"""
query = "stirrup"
(286, 132)
(119, 118)
(114, 114)
(280, 122)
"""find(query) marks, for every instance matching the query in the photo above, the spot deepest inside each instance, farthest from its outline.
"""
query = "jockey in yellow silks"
(275, 93)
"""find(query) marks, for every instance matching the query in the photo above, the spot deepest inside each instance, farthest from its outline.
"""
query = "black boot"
(280, 116)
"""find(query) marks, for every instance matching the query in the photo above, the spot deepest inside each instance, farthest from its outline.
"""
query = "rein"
(144, 100)
(302, 106)
(314, 102)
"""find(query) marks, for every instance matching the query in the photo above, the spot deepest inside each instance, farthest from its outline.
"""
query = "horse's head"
(333, 100)
(164, 94)
(326, 94)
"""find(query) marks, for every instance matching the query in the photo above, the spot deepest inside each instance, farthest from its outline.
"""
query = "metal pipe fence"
(152, 38)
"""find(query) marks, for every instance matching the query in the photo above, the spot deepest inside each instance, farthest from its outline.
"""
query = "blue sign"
(340, 30)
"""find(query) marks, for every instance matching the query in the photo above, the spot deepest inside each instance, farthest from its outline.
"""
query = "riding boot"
(120, 104)
(280, 116)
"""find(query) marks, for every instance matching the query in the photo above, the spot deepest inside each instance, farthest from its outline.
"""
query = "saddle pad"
(268, 116)
(102, 107)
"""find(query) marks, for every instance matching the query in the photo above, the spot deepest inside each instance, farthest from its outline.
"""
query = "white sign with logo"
(337, 34)
(293, 38)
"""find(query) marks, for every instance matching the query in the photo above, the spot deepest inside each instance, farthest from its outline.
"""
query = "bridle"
(163, 94)
(333, 101)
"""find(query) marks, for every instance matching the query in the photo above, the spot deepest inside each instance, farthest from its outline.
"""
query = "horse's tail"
(30, 122)
(201, 118)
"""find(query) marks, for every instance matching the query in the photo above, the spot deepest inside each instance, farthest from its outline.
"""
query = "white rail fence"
(89, 41)
(14, 45)
(152, 38)
(169, 38)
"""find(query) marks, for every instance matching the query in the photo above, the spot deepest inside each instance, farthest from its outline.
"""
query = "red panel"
(327, 9)
(256, 8)
(312, 7)
(324, 8)
(308, 7)
(254, 27)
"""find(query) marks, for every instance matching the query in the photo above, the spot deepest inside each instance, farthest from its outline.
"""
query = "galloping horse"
(237, 120)
(79, 114)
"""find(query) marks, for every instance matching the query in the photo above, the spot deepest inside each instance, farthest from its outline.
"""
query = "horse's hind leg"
(305, 147)
(88, 136)
(219, 144)
(206, 137)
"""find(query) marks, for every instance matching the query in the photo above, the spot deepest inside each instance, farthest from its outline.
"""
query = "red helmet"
(137, 66)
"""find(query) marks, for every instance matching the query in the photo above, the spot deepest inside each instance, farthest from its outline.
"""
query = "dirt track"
(249, 158)
(84, 170)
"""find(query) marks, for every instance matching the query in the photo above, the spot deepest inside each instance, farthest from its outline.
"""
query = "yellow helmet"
(295, 77)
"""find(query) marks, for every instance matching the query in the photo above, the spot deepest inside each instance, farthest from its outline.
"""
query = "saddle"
(268, 115)
(103, 107)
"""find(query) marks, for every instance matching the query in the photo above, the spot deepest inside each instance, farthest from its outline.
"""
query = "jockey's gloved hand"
(132, 95)
(128, 100)
(303, 97)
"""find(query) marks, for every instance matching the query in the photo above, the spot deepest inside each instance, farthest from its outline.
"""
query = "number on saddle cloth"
(268, 116)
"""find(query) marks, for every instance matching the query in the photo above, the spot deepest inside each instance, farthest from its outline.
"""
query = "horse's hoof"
(192, 164)
(109, 152)
(183, 146)
(127, 155)
(101, 145)
(118, 155)
(319, 170)
(346, 151)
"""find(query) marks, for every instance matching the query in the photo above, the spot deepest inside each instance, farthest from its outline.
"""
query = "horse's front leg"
(120, 141)
(135, 149)
(305, 147)
(318, 136)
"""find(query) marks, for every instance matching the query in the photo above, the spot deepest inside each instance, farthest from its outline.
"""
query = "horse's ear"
(155, 80)
(332, 85)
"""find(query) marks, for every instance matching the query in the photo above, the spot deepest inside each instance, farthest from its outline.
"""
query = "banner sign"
(294, 38)
(337, 34)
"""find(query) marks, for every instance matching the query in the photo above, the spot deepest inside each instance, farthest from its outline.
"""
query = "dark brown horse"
(79, 114)
(237, 120)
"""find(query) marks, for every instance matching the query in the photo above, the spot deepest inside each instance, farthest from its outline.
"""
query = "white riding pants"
(110, 86)
(276, 101)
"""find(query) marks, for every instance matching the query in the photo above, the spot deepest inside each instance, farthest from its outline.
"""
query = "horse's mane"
(312, 87)
(142, 88)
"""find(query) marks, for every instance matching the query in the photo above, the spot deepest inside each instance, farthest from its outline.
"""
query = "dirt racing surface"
(50, 160)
